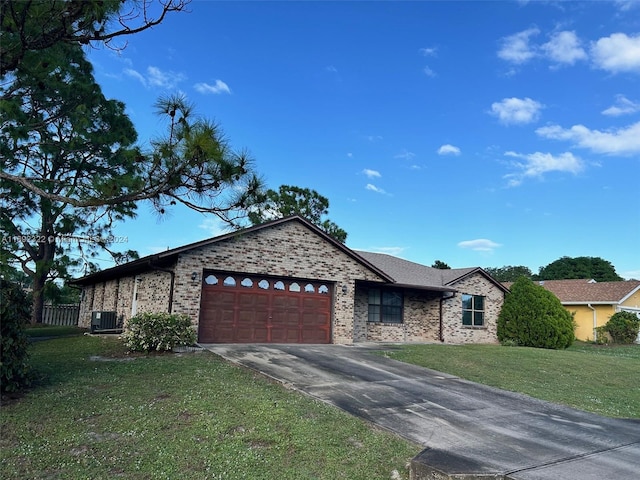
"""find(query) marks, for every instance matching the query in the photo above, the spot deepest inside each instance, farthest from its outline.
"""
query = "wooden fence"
(61, 314)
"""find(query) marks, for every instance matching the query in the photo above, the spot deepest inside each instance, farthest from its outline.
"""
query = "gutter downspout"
(441, 333)
(595, 323)
(173, 279)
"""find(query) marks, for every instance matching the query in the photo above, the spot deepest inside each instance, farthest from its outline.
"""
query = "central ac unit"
(105, 322)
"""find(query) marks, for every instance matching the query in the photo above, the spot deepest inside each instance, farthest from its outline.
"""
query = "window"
(385, 306)
(472, 310)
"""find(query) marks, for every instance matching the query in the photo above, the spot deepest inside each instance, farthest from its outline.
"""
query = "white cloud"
(626, 5)
(405, 154)
(537, 164)
(156, 78)
(564, 47)
(479, 245)
(429, 72)
(622, 141)
(218, 88)
(622, 106)
(371, 173)
(213, 227)
(516, 110)
(331, 69)
(429, 51)
(448, 149)
(137, 75)
(374, 138)
(516, 48)
(617, 53)
(373, 188)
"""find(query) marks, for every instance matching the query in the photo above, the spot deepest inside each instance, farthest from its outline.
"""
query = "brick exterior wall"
(453, 330)
(284, 250)
(421, 319)
(290, 249)
(117, 295)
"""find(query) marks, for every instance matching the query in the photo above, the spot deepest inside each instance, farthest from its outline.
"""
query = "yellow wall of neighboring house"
(584, 318)
(632, 301)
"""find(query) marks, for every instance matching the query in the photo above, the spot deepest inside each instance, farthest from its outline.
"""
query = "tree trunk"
(46, 253)
(38, 298)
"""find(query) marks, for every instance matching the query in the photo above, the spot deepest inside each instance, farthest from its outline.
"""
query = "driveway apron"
(468, 430)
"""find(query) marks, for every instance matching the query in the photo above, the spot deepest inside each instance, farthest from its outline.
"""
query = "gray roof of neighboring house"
(409, 273)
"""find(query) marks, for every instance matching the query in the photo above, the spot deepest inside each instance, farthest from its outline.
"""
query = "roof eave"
(483, 272)
(148, 261)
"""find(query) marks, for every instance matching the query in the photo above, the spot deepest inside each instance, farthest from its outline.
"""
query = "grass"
(98, 413)
(599, 379)
(41, 330)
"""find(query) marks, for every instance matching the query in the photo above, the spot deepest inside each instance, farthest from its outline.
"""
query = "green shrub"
(15, 312)
(158, 331)
(623, 327)
(534, 317)
(602, 336)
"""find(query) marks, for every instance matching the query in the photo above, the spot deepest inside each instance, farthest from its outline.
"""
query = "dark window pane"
(467, 302)
(374, 313)
(392, 298)
(466, 317)
(478, 318)
(374, 296)
(478, 302)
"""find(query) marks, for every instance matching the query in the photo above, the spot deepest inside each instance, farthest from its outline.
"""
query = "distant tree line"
(565, 268)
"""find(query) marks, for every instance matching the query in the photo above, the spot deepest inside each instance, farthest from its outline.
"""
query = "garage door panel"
(250, 309)
(312, 335)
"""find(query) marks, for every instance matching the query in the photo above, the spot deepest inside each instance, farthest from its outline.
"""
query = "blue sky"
(476, 133)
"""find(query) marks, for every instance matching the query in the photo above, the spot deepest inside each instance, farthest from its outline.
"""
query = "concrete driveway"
(468, 430)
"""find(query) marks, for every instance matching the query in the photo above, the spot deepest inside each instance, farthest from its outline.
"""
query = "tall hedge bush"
(534, 317)
(623, 327)
(158, 331)
(15, 312)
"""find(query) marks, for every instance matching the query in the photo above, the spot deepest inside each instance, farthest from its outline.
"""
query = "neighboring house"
(287, 281)
(594, 302)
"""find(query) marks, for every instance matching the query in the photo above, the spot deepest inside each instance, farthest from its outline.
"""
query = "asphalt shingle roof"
(584, 291)
(405, 272)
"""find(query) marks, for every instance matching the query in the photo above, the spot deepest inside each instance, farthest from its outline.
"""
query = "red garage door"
(248, 309)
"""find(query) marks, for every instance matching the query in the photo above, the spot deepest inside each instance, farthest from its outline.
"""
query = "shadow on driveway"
(468, 430)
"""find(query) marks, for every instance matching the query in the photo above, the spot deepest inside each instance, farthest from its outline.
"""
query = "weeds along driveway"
(466, 428)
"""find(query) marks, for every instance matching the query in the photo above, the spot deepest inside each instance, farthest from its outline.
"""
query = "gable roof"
(411, 274)
(586, 291)
(166, 259)
(394, 270)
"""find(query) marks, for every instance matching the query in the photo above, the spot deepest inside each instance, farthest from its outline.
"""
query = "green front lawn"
(41, 330)
(97, 413)
(599, 379)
